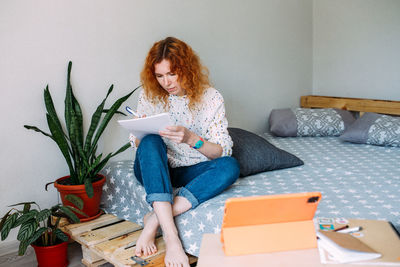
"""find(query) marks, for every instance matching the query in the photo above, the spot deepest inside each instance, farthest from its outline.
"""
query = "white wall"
(357, 48)
(259, 53)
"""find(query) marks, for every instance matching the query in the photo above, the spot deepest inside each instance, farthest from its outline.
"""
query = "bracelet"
(199, 143)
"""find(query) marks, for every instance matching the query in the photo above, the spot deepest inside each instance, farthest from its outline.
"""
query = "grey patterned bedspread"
(356, 181)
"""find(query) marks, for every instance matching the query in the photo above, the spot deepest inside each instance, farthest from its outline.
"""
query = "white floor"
(29, 259)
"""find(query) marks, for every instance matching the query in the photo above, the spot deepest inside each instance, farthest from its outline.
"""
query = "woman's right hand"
(133, 140)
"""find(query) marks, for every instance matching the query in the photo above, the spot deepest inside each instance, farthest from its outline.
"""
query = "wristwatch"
(199, 143)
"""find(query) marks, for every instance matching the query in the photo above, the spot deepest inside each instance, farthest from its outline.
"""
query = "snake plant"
(79, 150)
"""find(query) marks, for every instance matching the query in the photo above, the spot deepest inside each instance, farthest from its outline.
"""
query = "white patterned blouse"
(207, 120)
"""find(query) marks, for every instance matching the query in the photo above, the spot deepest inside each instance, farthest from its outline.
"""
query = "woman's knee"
(151, 141)
(229, 167)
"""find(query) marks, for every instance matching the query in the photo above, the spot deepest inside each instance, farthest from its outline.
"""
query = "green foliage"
(79, 150)
(38, 225)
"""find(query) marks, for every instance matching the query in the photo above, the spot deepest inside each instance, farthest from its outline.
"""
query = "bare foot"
(145, 245)
(175, 256)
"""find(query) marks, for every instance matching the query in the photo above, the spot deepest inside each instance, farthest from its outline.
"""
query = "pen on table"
(341, 228)
(132, 112)
(350, 230)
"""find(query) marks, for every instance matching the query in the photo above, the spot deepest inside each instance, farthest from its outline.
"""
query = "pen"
(131, 111)
(341, 228)
(350, 230)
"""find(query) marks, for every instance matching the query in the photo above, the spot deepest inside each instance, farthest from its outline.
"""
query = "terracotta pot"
(91, 205)
(52, 256)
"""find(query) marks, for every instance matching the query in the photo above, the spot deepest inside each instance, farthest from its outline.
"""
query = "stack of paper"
(148, 125)
(343, 248)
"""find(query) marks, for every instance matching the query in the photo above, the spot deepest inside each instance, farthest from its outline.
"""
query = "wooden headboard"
(352, 104)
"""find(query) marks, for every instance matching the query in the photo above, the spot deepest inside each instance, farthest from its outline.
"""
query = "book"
(344, 248)
(147, 125)
(379, 235)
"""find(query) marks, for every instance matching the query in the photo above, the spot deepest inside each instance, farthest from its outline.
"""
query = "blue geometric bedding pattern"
(356, 181)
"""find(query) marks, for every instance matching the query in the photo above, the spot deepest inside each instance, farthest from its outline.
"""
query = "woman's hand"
(179, 134)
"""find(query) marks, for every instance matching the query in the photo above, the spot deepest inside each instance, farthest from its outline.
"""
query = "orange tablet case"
(272, 223)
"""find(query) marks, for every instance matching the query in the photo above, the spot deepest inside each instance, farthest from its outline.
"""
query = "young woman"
(193, 154)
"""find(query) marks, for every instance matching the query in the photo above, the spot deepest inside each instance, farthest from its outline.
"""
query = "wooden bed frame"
(360, 105)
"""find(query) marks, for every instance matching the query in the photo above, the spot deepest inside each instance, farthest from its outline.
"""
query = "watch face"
(198, 144)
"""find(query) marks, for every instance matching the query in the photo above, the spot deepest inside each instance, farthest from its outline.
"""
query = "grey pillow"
(309, 122)
(255, 154)
(374, 129)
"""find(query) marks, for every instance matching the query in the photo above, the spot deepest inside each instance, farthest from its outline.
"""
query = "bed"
(356, 180)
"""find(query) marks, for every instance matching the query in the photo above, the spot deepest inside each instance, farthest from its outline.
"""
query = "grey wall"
(259, 54)
(357, 48)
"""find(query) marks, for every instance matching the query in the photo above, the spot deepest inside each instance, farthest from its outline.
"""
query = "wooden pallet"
(110, 239)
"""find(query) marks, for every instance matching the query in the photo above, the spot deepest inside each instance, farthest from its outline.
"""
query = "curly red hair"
(192, 75)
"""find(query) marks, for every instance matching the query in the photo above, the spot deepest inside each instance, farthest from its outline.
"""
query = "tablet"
(264, 224)
(269, 209)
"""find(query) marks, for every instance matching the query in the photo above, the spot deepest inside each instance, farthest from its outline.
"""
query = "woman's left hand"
(178, 134)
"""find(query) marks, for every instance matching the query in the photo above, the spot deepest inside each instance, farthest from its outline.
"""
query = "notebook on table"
(271, 223)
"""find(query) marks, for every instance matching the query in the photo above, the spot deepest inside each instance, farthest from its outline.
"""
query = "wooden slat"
(122, 257)
(108, 247)
(93, 264)
(351, 104)
(100, 235)
(97, 248)
(90, 256)
(79, 228)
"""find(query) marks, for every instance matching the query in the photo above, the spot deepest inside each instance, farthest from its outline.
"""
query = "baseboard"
(9, 247)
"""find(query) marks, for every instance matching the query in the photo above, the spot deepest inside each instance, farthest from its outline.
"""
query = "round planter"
(91, 206)
(52, 256)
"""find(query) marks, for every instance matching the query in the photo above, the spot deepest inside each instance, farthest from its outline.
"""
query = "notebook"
(271, 223)
(147, 125)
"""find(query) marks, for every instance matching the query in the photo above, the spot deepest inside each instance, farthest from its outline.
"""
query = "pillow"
(309, 122)
(374, 129)
(255, 154)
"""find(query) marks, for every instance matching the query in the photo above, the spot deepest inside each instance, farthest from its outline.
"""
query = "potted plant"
(39, 228)
(79, 150)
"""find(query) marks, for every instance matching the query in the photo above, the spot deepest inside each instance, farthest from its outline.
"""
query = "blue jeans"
(198, 182)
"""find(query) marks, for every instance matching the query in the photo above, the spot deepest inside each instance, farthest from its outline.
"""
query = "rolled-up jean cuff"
(166, 197)
(183, 192)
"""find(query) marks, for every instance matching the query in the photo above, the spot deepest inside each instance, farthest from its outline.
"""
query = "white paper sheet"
(147, 125)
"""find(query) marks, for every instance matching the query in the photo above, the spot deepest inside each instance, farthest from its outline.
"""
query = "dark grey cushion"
(309, 122)
(255, 154)
(374, 129)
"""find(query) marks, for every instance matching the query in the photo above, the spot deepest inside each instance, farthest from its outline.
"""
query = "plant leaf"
(95, 122)
(61, 235)
(94, 165)
(89, 187)
(22, 203)
(43, 215)
(3, 220)
(62, 143)
(69, 213)
(25, 217)
(37, 234)
(74, 199)
(27, 207)
(8, 225)
(23, 245)
(103, 163)
(77, 211)
(116, 112)
(109, 116)
(27, 229)
(47, 185)
(36, 129)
